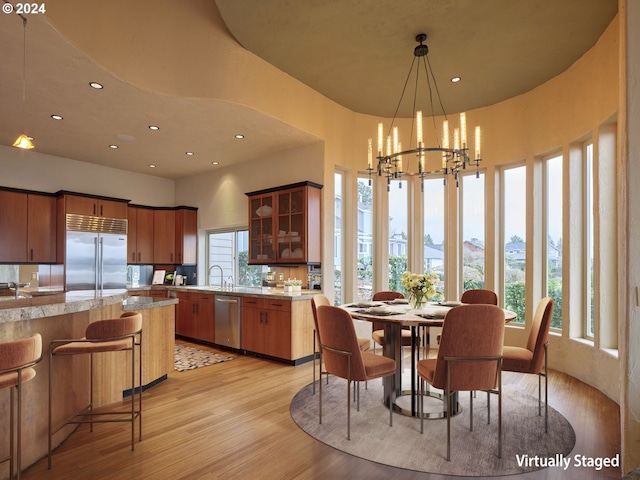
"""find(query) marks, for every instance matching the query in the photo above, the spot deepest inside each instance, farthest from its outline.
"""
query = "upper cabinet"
(95, 206)
(27, 227)
(285, 224)
(186, 236)
(164, 240)
(140, 235)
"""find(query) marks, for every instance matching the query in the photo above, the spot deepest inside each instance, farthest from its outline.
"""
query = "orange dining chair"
(316, 301)
(469, 359)
(343, 358)
(479, 295)
(112, 335)
(17, 359)
(378, 327)
(533, 357)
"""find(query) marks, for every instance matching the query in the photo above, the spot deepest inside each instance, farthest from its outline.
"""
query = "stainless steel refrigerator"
(96, 253)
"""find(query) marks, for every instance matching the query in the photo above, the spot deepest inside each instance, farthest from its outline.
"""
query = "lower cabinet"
(195, 316)
(278, 328)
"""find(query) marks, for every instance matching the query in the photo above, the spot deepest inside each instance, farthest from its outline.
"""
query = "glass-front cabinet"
(285, 224)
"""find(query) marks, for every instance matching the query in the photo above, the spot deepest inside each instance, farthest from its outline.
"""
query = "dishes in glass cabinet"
(264, 211)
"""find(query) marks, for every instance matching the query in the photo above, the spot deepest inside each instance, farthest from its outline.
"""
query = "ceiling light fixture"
(114, 146)
(215, 163)
(390, 154)
(57, 117)
(189, 153)
(96, 85)
(24, 141)
(455, 79)
(239, 136)
(154, 128)
(151, 165)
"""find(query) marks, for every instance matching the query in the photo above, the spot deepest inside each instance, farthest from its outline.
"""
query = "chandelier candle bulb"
(463, 130)
(380, 139)
(419, 127)
(456, 139)
(478, 143)
(396, 147)
(389, 151)
(370, 154)
(400, 170)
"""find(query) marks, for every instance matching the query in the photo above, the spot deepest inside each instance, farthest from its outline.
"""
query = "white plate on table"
(450, 304)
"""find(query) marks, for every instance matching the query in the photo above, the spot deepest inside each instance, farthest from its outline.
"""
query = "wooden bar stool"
(113, 335)
(17, 360)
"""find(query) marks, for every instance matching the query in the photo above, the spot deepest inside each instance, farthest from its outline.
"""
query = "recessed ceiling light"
(113, 146)
(57, 117)
(125, 138)
(151, 165)
(239, 135)
(189, 153)
(455, 79)
(96, 85)
(154, 127)
(215, 163)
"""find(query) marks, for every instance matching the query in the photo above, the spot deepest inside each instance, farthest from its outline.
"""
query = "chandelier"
(24, 141)
(394, 162)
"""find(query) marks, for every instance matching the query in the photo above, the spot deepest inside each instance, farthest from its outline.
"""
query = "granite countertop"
(42, 306)
(267, 292)
(142, 303)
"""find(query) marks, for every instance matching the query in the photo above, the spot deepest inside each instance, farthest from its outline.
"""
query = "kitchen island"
(66, 316)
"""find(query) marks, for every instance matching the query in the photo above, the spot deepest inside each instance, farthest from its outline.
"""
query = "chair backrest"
(540, 333)
(338, 332)
(470, 331)
(479, 295)
(19, 353)
(382, 296)
(128, 324)
(317, 301)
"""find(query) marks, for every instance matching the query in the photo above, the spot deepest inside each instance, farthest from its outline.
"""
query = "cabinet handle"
(94, 209)
(266, 318)
(31, 254)
(139, 256)
(101, 210)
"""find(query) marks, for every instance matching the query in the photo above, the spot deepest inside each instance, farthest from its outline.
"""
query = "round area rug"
(525, 445)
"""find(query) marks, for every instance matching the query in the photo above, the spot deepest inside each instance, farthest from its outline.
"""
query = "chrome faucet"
(209, 275)
(17, 286)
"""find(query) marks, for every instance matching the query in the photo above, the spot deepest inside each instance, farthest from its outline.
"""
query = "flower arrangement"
(292, 282)
(421, 287)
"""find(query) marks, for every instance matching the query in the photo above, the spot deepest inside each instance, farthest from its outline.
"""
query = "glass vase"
(417, 302)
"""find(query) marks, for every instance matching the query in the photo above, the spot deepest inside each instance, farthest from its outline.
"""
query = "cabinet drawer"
(196, 297)
(277, 304)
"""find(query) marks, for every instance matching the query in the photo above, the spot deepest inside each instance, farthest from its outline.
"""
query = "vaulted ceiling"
(353, 52)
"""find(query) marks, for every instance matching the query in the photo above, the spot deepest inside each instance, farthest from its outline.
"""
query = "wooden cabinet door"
(252, 316)
(13, 226)
(277, 331)
(185, 322)
(41, 229)
(205, 318)
(132, 235)
(111, 209)
(261, 229)
(144, 236)
(95, 207)
(186, 236)
(164, 240)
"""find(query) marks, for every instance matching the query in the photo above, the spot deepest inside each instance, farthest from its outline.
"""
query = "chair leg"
(314, 362)
(500, 410)
(390, 405)
(546, 392)
(421, 405)
(11, 430)
(320, 390)
(488, 407)
(349, 399)
(471, 411)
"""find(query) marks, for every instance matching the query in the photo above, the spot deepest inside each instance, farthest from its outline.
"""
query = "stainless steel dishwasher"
(228, 321)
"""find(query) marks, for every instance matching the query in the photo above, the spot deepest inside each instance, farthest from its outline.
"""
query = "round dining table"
(396, 314)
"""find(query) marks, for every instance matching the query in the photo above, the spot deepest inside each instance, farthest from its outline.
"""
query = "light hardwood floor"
(232, 421)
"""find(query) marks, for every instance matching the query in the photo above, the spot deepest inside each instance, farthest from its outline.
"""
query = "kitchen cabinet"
(140, 236)
(95, 206)
(27, 227)
(186, 242)
(164, 240)
(285, 225)
(266, 326)
(195, 316)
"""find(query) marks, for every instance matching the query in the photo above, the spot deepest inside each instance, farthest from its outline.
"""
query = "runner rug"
(188, 358)
(473, 453)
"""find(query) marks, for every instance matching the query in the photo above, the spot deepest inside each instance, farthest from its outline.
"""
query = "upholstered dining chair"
(17, 359)
(469, 359)
(533, 357)
(316, 301)
(479, 295)
(378, 327)
(112, 335)
(343, 358)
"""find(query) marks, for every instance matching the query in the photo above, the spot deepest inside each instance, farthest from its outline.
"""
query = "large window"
(365, 239)
(472, 231)
(553, 247)
(433, 198)
(398, 228)
(514, 229)
(589, 239)
(230, 252)
(338, 239)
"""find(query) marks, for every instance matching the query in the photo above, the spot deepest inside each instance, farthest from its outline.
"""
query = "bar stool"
(17, 360)
(113, 335)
